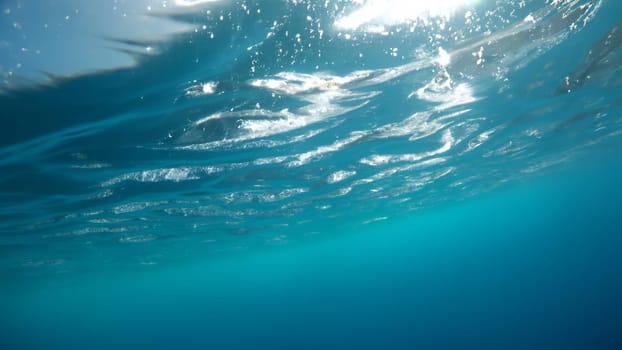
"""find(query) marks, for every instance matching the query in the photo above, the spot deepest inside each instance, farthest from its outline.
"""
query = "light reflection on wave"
(324, 94)
(266, 152)
(374, 15)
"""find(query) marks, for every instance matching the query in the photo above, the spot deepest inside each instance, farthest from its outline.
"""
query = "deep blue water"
(311, 175)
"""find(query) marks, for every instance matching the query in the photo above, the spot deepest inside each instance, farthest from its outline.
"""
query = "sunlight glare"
(393, 12)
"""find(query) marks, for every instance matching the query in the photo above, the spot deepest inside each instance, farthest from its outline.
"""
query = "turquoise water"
(304, 175)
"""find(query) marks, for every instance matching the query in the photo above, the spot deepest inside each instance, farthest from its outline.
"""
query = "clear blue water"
(305, 175)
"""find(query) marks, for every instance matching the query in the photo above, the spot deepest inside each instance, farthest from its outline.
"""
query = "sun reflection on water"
(393, 12)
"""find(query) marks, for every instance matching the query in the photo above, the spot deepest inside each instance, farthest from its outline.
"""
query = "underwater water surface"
(311, 174)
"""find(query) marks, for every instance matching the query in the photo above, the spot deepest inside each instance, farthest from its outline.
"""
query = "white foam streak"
(261, 196)
(392, 171)
(293, 83)
(376, 160)
(135, 206)
(418, 125)
(479, 140)
(317, 153)
(442, 91)
(163, 175)
(339, 176)
(311, 87)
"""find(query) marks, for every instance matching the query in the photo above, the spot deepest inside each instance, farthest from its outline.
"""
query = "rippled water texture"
(259, 123)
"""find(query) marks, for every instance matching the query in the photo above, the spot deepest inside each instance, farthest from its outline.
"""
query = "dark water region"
(536, 265)
(301, 175)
